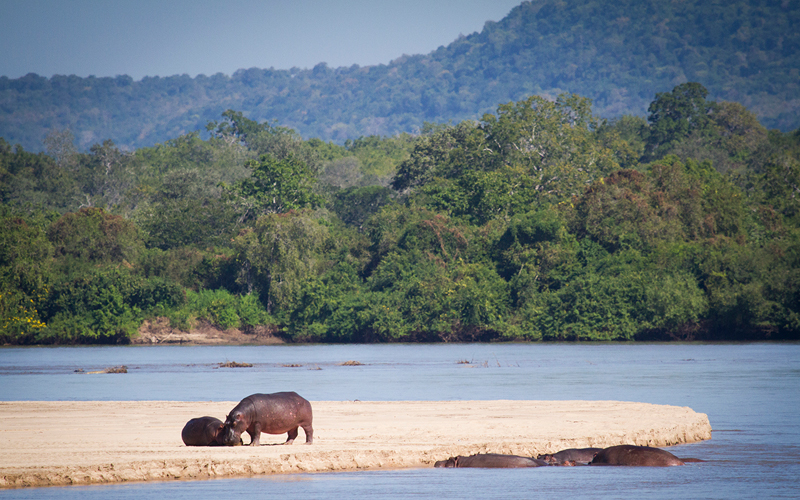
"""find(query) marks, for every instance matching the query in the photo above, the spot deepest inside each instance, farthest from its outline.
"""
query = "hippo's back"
(643, 456)
(201, 431)
(498, 461)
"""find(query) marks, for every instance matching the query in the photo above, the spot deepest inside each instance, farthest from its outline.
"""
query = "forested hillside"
(540, 221)
(617, 53)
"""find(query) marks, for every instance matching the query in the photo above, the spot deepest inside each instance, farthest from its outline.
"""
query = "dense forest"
(540, 221)
(617, 53)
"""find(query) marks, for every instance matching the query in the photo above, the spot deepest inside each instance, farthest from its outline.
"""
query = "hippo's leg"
(255, 435)
(309, 433)
(292, 436)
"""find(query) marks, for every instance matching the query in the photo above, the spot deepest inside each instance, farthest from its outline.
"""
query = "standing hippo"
(202, 431)
(491, 461)
(635, 455)
(271, 413)
(577, 455)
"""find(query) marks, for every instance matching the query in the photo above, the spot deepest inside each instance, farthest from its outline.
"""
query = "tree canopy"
(542, 221)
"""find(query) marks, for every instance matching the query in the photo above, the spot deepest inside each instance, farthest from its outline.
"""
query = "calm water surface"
(751, 393)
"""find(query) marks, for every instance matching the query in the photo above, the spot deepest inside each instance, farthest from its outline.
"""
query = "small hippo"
(574, 455)
(202, 431)
(271, 413)
(491, 461)
(635, 456)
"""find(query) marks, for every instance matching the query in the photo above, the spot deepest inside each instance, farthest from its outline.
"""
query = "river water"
(751, 393)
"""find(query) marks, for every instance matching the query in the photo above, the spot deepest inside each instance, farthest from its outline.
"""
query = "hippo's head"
(230, 434)
(450, 462)
(217, 431)
(548, 457)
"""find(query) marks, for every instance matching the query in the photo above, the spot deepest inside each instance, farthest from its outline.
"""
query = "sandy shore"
(62, 443)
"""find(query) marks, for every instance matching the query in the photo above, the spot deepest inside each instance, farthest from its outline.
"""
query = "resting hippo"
(635, 455)
(202, 431)
(271, 413)
(576, 455)
(491, 461)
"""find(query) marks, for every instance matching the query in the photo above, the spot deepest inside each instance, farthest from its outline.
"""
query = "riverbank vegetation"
(541, 221)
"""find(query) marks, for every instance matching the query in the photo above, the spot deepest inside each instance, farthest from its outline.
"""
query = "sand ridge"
(48, 443)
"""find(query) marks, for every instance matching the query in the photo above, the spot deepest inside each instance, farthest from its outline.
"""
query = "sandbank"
(54, 443)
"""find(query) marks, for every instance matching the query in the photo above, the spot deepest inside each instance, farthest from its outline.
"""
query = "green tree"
(235, 127)
(355, 205)
(440, 153)
(276, 186)
(185, 212)
(731, 141)
(104, 175)
(34, 180)
(552, 141)
(278, 254)
(265, 139)
(530, 246)
(776, 179)
(673, 116)
(380, 156)
(619, 213)
(105, 305)
(534, 151)
(92, 236)
(25, 258)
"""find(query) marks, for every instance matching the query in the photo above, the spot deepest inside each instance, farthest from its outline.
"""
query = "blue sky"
(168, 37)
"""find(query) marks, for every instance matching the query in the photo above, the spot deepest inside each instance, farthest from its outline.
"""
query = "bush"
(225, 310)
(105, 305)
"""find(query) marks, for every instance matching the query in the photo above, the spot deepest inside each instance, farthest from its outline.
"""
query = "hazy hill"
(618, 53)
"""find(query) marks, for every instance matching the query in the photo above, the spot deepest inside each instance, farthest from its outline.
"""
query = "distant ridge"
(618, 53)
